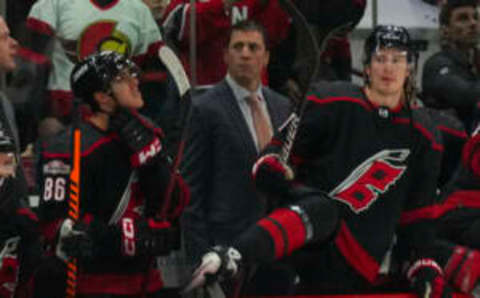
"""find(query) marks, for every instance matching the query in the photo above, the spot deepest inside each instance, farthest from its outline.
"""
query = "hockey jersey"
(380, 164)
(213, 24)
(110, 191)
(80, 28)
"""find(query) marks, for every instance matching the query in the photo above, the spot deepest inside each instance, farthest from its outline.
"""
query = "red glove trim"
(141, 157)
(152, 223)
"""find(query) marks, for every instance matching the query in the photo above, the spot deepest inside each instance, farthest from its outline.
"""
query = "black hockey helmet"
(387, 36)
(396, 37)
(96, 72)
(449, 5)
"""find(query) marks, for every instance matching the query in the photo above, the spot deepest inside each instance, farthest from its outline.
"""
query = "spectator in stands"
(290, 60)
(451, 76)
(233, 121)
(213, 21)
(64, 32)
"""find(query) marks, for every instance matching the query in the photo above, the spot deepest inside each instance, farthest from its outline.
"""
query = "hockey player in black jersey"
(309, 216)
(379, 160)
(124, 175)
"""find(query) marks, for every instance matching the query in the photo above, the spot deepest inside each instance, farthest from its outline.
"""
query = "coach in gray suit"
(224, 142)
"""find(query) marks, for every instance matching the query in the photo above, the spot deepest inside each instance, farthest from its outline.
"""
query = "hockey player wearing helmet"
(124, 175)
(378, 159)
(451, 76)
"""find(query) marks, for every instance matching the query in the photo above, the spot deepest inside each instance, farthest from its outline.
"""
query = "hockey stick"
(175, 68)
(316, 51)
(299, 20)
(74, 197)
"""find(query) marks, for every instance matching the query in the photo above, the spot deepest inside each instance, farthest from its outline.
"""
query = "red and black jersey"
(459, 207)
(213, 26)
(453, 136)
(110, 190)
(381, 164)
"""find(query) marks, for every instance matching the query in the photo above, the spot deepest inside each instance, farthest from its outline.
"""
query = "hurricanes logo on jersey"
(371, 178)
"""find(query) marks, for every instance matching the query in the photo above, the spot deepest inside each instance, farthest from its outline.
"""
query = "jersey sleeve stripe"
(356, 255)
(32, 56)
(329, 100)
(277, 235)
(86, 152)
(464, 198)
(293, 226)
(427, 134)
(455, 132)
(416, 215)
(39, 26)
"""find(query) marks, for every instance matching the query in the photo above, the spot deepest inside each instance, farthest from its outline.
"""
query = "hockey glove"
(9, 267)
(217, 265)
(463, 269)
(148, 238)
(272, 175)
(74, 241)
(427, 279)
(141, 137)
(131, 238)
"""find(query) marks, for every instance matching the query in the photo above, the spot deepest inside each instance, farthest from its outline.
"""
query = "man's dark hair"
(449, 5)
(246, 26)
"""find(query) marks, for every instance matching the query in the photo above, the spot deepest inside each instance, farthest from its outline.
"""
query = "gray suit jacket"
(217, 166)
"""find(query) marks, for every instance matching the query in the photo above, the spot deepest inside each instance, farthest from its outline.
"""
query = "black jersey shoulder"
(91, 139)
(327, 93)
(426, 126)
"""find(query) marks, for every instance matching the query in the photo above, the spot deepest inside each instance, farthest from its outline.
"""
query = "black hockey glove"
(130, 238)
(428, 281)
(74, 241)
(141, 137)
(148, 238)
(219, 264)
(270, 173)
(9, 266)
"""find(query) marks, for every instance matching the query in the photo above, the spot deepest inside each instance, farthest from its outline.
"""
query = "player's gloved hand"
(130, 238)
(139, 134)
(9, 266)
(148, 237)
(75, 241)
(428, 281)
(219, 264)
(463, 269)
(272, 175)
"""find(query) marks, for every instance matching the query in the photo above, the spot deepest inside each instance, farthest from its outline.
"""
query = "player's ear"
(266, 58)
(104, 100)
